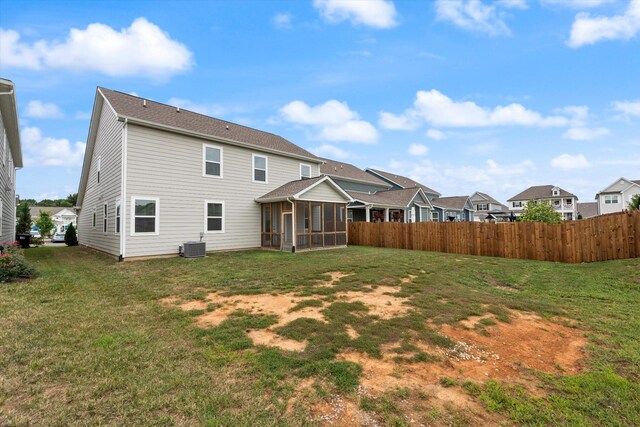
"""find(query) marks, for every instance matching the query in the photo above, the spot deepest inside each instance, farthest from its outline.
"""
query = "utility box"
(193, 249)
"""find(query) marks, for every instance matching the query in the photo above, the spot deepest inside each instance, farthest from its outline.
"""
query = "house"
(398, 181)
(616, 197)
(60, 216)
(587, 210)
(455, 208)
(375, 200)
(488, 209)
(10, 159)
(156, 176)
(561, 200)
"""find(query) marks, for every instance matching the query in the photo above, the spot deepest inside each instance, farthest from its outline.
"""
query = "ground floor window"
(435, 216)
(144, 215)
(117, 225)
(105, 218)
(214, 217)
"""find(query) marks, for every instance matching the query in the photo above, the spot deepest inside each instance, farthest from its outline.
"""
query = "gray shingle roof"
(345, 170)
(132, 107)
(35, 210)
(397, 198)
(637, 181)
(453, 202)
(290, 189)
(540, 192)
(403, 181)
(489, 198)
(588, 210)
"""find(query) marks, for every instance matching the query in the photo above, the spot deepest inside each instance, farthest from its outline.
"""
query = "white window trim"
(437, 218)
(116, 217)
(206, 217)
(253, 169)
(105, 218)
(133, 216)
(609, 199)
(204, 161)
(307, 165)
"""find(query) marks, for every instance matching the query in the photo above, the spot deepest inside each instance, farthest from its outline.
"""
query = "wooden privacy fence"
(606, 237)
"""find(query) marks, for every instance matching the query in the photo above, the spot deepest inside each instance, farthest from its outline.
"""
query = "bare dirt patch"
(271, 339)
(528, 341)
(472, 321)
(381, 301)
(409, 279)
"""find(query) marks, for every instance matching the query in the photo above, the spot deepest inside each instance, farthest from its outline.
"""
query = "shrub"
(540, 211)
(13, 264)
(23, 225)
(70, 236)
(634, 204)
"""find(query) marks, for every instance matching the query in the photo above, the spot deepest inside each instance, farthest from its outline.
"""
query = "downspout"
(293, 225)
(123, 193)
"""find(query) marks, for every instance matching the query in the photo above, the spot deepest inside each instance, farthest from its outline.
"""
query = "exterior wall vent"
(193, 249)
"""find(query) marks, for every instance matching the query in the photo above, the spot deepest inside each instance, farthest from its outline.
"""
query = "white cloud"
(371, 13)
(330, 151)
(83, 115)
(439, 110)
(589, 30)
(585, 134)
(567, 161)
(334, 119)
(575, 4)
(474, 15)
(142, 49)
(46, 151)
(418, 150)
(393, 122)
(513, 4)
(436, 134)
(43, 110)
(282, 21)
(628, 108)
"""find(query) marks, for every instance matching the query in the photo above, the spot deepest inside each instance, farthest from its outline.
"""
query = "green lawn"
(89, 342)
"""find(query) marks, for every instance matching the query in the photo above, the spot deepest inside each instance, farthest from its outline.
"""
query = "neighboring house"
(616, 197)
(60, 216)
(10, 159)
(488, 209)
(376, 200)
(398, 181)
(562, 201)
(455, 208)
(587, 210)
(156, 176)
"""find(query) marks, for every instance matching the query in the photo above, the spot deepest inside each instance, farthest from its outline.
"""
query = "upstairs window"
(517, 204)
(259, 168)
(305, 171)
(93, 218)
(144, 215)
(214, 217)
(99, 167)
(212, 161)
(555, 192)
(483, 206)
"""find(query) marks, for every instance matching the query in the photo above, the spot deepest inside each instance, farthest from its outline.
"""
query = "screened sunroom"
(304, 214)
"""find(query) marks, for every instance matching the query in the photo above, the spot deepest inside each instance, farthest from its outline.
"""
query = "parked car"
(36, 234)
(58, 238)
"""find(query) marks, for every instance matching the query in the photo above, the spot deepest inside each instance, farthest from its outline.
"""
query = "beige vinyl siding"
(7, 189)
(108, 147)
(168, 166)
(323, 193)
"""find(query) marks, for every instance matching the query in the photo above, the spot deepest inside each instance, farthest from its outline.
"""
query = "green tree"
(23, 225)
(540, 211)
(72, 199)
(45, 223)
(634, 204)
(70, 236)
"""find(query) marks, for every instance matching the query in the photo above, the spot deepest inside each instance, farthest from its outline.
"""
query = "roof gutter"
(174, 129)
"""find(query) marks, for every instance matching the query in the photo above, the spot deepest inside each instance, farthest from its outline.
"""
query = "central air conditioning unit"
(193, 249)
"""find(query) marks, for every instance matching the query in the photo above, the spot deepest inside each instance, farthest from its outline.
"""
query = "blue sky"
(461, 95)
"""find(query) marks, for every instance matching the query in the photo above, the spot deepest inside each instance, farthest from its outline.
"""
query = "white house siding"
(168, 166)
(108, 147)
(7, 189)
(624, 190)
